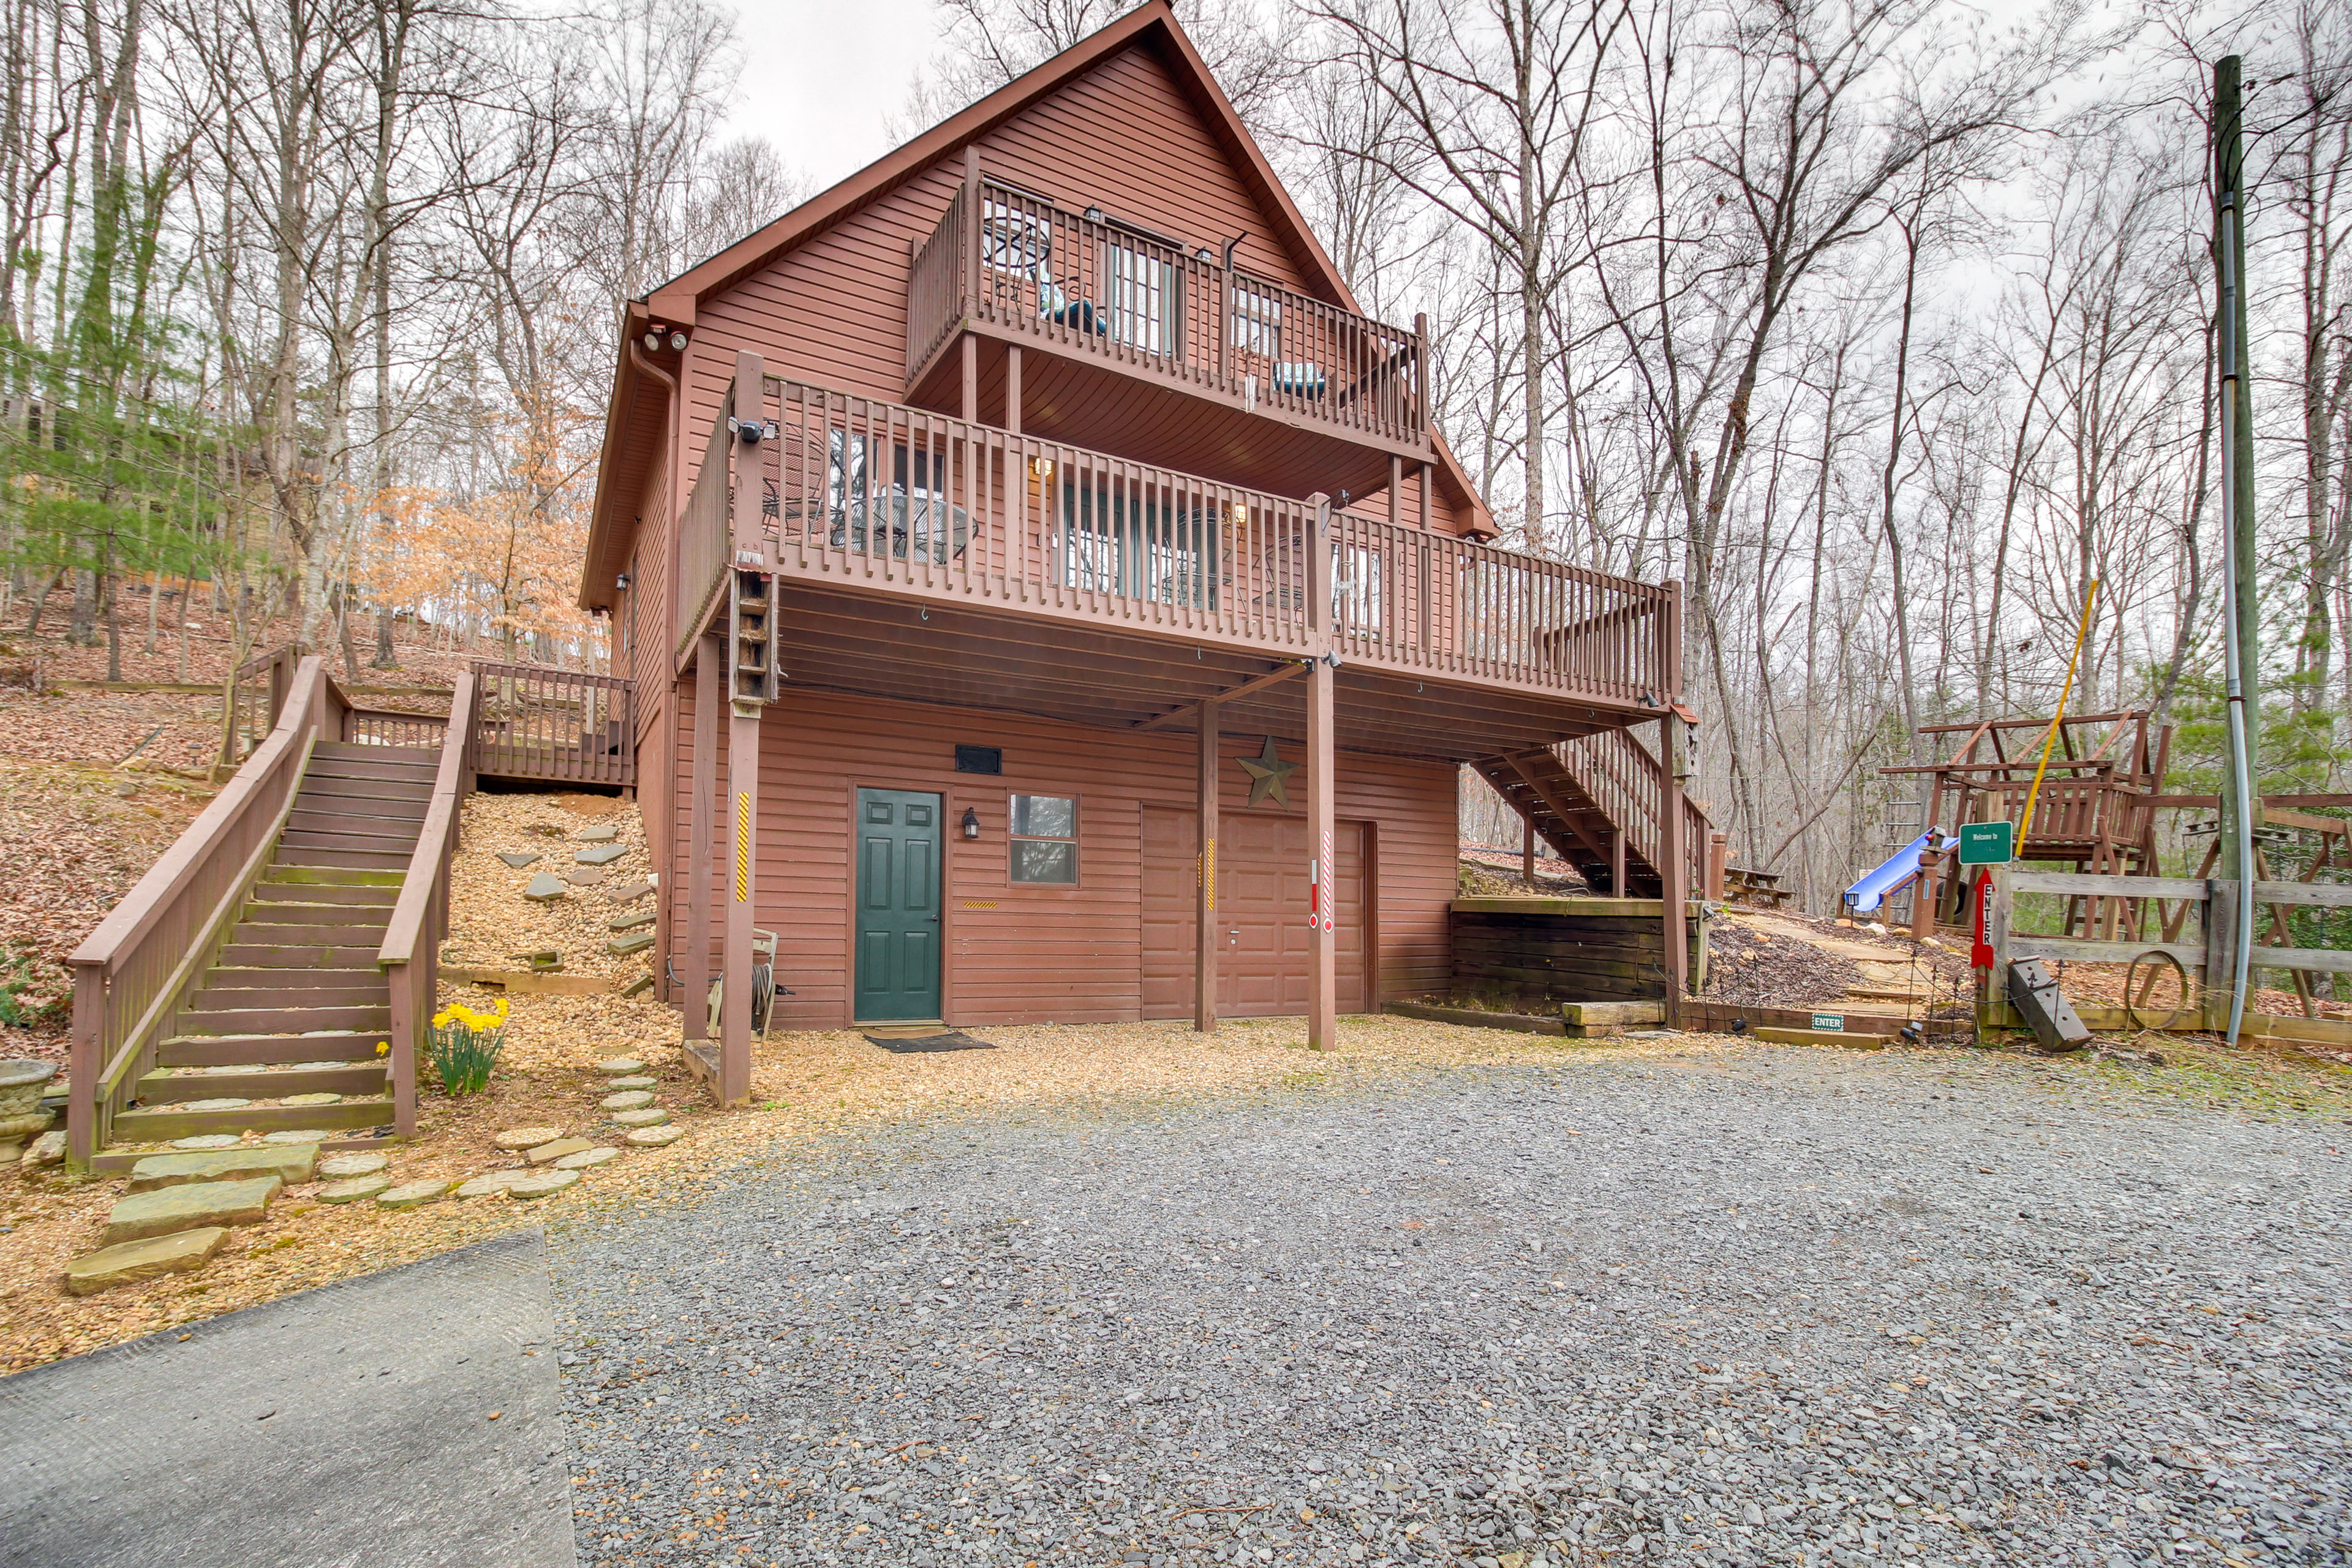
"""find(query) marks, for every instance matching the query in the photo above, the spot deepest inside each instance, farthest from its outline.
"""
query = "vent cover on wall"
(980, 760)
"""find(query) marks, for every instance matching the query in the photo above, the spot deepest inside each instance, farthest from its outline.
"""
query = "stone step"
(370, 835)
(291, 988)
(308, 955)
(367, 934)
(291, 1164)
(399, 819)
(363, 795)
(333, 876)
(318, 858)
(341, 751)
(325, 893)
(282, 1020)
(278, 914)
(165, 1123)
(266, 1049)
(192, 1206)
(353, 1080)
(130, 1262)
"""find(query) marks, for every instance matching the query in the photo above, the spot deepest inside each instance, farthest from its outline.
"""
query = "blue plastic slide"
(1898, 868)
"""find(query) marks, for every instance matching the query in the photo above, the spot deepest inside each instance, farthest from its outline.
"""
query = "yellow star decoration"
(1269, 774)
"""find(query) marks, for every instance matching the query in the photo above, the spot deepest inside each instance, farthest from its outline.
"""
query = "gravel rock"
(1761, 1307)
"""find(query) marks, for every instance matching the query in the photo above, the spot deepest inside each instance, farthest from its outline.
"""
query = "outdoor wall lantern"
(970, 823)
(1094, 215)
(622, 582)
(1042, 468)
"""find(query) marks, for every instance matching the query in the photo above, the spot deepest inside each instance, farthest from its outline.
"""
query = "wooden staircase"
(295, 1005)
(1593, 800)
(286, 946)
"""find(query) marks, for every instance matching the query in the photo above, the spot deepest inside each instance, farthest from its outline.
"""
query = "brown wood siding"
(1027, 953)
(833, 311)
(648, 600)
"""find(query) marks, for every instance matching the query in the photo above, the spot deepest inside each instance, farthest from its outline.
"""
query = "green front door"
(898, 905)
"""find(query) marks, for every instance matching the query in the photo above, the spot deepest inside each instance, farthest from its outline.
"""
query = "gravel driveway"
(1743, 1306)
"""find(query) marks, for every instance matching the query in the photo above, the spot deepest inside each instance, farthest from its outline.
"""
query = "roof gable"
(1152, 27)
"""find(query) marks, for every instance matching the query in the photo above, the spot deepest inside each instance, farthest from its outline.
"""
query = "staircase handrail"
(411, 954)
(1633, 784)
(132, 974)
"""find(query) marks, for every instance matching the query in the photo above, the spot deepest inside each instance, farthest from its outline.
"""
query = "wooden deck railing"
(256, 694)
(391, 727)
(1096, 287)
(703, 541)
(559, 725)
(133, 975)
(410, 953)
(1624, 778)
(883, 497)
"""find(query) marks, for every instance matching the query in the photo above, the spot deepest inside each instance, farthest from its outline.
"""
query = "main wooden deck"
(891, 501)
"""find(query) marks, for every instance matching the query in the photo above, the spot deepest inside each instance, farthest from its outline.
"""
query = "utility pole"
(2241, 804)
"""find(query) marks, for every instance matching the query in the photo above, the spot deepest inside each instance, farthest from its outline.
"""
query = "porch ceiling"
(1096, 404)
(966, 658)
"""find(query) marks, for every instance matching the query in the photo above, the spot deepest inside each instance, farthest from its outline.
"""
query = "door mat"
(953, 1040)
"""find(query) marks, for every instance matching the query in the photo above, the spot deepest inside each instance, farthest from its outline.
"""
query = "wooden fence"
(2190, 921)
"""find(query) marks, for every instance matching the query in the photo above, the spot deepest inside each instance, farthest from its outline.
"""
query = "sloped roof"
(1152, 26)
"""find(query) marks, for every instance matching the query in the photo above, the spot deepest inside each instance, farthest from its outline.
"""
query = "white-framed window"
(1044, 839)
(1143, 290)
(1258, 322)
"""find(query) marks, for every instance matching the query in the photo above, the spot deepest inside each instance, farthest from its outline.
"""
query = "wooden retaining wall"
(1532, 954)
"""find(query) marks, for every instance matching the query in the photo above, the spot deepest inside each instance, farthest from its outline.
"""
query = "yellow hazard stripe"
(742, 846)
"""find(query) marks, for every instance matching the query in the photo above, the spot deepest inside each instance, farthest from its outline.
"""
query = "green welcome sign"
(1988, 843)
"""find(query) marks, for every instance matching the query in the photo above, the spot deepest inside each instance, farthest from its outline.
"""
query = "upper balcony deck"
(1253, 362)
(1030, 540)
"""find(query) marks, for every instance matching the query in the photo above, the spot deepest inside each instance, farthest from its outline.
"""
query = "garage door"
(1262, 966)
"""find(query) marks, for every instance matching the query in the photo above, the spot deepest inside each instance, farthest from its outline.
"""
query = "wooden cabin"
(1048, 599)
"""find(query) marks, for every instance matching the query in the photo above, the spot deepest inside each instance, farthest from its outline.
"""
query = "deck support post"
(694, 973)
(746, 696)
(734, 1084)
(1528, 853)
(1323, 880)
(1673, 851)
(1616, 862)
(1204, 908)
(1013, 388)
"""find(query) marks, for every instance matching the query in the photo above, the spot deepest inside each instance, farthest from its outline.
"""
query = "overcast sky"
(820, 76)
